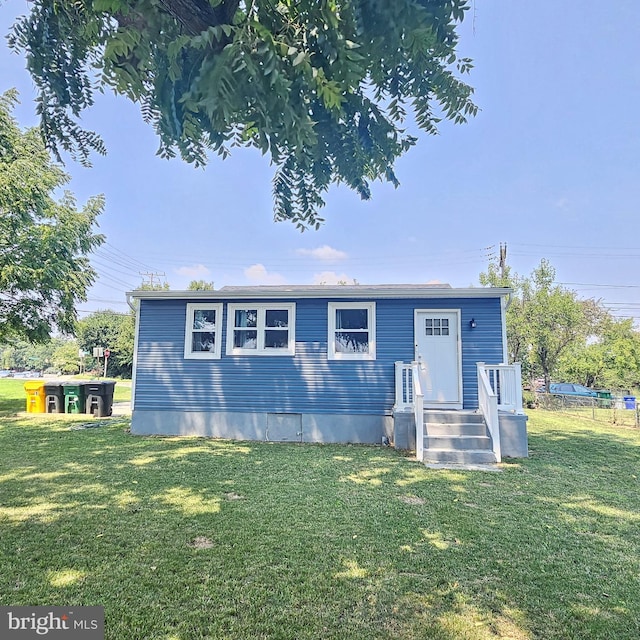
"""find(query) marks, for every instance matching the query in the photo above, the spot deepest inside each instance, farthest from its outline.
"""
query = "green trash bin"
(53, 397)
(74, 397)
(604, 399)
(99, 397)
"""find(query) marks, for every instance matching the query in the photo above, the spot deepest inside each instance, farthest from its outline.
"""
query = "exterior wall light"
(472, 323)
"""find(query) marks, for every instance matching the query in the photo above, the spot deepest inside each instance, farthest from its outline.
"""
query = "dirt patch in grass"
(201, 542)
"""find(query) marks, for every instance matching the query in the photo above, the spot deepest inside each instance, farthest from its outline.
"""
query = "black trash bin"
(99, 397)
(53, 397)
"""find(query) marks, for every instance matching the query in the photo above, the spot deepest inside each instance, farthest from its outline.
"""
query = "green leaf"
(325, 112)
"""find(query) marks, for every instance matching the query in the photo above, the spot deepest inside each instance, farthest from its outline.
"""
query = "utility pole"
(106, 354)
(503, 260)
(151, 276)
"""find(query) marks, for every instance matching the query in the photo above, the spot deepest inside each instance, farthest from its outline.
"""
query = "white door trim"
(457, 404)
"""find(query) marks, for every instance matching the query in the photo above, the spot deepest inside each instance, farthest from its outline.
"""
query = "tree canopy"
(44, 243)
(555, 319)
(610, 360)
(544, 319)
(200, 285)
(324, 87)
(557, 335)
(112, 330)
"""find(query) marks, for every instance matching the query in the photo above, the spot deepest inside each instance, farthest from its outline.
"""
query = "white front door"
(437, 338)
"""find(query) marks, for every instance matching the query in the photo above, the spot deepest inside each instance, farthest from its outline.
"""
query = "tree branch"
(197, 15)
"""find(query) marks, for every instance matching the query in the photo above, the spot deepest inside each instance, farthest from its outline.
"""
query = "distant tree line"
(105, 328)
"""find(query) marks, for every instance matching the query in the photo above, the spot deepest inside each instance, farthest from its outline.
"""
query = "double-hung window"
(261, 329)
(203, 336)
(352, 331)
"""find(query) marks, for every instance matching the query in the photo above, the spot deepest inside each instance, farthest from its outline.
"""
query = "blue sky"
(551, 166)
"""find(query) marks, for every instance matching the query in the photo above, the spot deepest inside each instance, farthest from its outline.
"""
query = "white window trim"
(331, 345)
(203, 355)
(262, 308)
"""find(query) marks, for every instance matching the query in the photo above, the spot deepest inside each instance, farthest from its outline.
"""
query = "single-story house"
(321, 363)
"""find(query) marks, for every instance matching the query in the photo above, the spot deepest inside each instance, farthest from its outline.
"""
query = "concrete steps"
(456, 437)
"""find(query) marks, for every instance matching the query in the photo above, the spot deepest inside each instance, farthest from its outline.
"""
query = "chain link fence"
(618, 410)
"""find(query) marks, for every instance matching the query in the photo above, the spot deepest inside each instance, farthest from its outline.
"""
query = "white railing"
(506, 382)
(418, 409)
(488, 405)
(499, 389)
(410, 397)
(404, 387)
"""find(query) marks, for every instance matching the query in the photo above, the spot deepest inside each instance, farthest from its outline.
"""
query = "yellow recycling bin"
(36, 401)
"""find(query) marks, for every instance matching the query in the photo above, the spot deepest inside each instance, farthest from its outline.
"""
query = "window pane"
(245, 339)
(437, 326)
(246, 318)
(204, 319)
(352, 342)
(277, 318)
(274, 339)
(352, 319)
(203, 341)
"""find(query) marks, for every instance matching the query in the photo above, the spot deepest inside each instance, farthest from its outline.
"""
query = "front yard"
(184, 539)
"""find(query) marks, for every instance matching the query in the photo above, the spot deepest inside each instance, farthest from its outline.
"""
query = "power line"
(448, 257)
(129, 258)
(593, 284)
(124, 302)
(585, 247)
(109, 268)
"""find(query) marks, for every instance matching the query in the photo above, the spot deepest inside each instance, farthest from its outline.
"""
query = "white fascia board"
(334, 293)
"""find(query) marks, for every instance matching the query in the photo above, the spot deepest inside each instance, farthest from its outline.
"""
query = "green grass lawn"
(184, 539)
(12, 396)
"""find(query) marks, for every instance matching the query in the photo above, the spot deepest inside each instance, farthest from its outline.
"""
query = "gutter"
(130, 296)
(509, 299)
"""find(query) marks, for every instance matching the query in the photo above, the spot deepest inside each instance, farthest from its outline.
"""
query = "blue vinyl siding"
(307, 382)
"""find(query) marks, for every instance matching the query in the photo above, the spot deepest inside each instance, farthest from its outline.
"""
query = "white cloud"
(195, 271)
(258, 274)
(331, 277)
(326, 253)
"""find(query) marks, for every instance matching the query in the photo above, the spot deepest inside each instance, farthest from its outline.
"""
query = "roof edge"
(339, 292)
